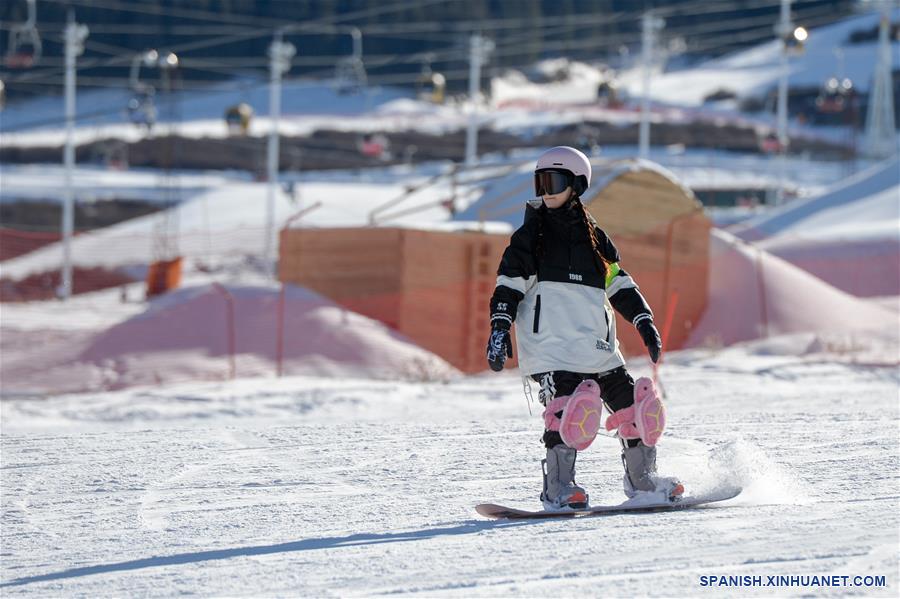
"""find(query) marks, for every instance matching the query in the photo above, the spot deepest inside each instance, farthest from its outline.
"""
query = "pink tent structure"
(211, 332)
(754, 294)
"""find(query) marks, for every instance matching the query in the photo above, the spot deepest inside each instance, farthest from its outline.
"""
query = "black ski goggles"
(549, 182)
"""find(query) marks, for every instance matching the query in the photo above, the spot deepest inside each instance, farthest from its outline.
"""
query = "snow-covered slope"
(867, 199)
(849, 236)
(229, 221)
(45, 182)
(108, 106)
(753, 72)
(314, 487)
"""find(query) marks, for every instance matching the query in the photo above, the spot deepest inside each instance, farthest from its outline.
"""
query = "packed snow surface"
(353, 487)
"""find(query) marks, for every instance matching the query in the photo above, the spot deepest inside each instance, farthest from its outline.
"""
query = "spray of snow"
(710, 471)
(737, 462)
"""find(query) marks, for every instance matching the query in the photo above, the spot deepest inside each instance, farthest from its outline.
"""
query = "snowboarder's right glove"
(650, 336)
(499, 345)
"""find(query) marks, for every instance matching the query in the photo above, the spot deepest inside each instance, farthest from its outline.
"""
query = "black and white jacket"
(550, 282)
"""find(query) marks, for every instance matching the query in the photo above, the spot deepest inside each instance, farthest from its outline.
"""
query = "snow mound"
(867, 199)
(849, 236)
(754, 294)
(186, 336)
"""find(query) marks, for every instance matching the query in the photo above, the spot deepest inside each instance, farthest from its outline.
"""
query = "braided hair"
(591, 223)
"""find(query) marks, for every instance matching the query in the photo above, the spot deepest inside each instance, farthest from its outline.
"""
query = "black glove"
(499, 348)
(651, 338)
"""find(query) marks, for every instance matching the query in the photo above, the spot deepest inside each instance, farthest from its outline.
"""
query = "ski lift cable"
(764, 32)
(222, 40)
(397, 29)
(110, 82)
(374, 60)
(388, 61)
(726, 40)
(183, 13)
(451, 54)
(116, 61)
(615, 39)
(267, 24)
(706, 6)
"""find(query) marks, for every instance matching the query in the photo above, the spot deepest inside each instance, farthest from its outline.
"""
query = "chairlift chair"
(834, 95)
(142, 109)
(24, 48)
(238, 117)
(142, 106)
(350, 73)
(770, 144)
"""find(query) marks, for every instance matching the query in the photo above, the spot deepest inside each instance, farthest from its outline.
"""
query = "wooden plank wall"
(433, 287)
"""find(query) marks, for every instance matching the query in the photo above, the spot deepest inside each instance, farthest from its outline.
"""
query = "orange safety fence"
(102, 260)
(14, 242)
(45, 285)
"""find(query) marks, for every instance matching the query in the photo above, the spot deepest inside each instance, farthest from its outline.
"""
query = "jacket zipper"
(537, 314)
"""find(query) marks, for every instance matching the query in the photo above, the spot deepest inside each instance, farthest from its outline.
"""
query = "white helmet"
(564, 158)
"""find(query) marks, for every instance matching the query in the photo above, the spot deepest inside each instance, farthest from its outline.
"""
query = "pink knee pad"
(581, 417)
(645, 420)
(558, 404)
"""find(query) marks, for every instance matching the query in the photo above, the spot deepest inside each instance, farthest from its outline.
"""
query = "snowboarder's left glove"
(650, 335)
(499, 347)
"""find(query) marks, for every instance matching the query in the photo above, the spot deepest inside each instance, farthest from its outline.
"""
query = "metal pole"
(649, 27)
(880, 141)
(475, 56)
(280, 55)
(784, 30)
(74, 38)
(646, 43)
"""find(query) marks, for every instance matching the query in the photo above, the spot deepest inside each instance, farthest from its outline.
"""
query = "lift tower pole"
(881, 141)
(280, 55)
(650, 26)
(784, 28)
(479, 48)
(75, 35)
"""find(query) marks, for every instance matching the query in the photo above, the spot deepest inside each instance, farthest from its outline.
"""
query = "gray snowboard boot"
(640, 474)
(560, 490)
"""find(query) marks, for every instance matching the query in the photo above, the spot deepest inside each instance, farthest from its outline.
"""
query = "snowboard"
(500, 512)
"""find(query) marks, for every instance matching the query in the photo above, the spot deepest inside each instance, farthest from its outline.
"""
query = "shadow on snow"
(468, 527)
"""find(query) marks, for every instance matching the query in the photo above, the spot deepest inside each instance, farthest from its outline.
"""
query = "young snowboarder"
(559, 279)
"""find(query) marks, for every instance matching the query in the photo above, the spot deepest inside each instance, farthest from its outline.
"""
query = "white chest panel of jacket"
(564, 326)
